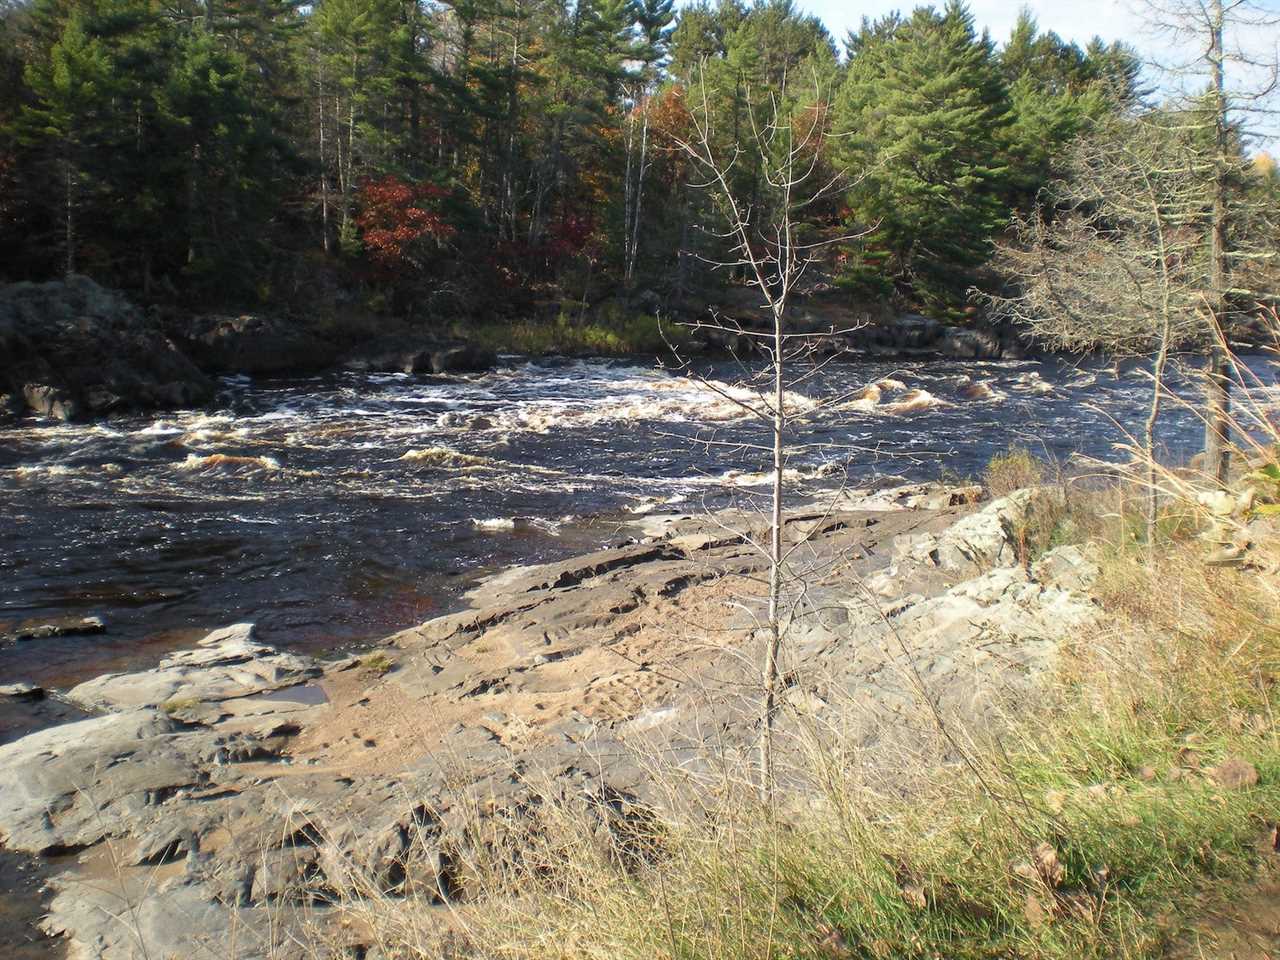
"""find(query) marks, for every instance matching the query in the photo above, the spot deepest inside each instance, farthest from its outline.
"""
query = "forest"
(475, 158)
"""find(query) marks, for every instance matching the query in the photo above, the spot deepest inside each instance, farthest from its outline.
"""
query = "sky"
(1076, 20)
(1073, 20)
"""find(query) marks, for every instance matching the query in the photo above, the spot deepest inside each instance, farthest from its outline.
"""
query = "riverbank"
(71, 350)
(580, 726)
(336, 509)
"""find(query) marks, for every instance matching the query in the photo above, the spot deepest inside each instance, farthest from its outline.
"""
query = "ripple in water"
(336, 510)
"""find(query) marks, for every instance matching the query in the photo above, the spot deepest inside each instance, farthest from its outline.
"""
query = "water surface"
(335, 510)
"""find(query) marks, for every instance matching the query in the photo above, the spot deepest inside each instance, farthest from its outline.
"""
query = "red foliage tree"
(397, 219)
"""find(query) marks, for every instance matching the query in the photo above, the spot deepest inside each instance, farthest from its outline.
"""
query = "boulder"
(71, 349)
(419, 354)
(226, 664)
(964, 343)
(21, 691)
(976, 542)
(255, 345)
(911, 334)
(462, 358)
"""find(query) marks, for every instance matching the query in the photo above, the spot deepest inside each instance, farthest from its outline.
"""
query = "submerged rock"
(59, 627)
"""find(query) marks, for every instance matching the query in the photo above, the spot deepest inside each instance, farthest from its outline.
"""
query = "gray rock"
(975, 542)
(403, 353)
(60, 627)
(462, 358)
(253, 345)
(228, 663)
(1068, 568)
(72, 349)
(21, 691)
(70, 786)
(104, 921)
(916, 336)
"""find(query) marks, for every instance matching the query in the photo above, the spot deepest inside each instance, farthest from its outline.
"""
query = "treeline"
(422, 157)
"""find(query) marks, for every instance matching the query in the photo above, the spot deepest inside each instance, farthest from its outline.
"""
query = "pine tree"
(71, 91)
(1054, 89)
(922, 112)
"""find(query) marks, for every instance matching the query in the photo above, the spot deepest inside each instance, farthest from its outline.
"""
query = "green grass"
(1092, 829)
(949, 877)
(377, 662)
(614, 333)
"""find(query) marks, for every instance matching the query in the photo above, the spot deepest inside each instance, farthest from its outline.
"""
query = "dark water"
(22, 906)
(333, 511)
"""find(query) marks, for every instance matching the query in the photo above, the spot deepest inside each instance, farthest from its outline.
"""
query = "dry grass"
(1012, 470)
(1092, 829)
(1099, 825)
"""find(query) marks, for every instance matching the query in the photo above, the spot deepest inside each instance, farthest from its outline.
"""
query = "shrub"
(1012, 470)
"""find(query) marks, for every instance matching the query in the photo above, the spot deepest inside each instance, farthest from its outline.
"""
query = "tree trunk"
(1149, 436)
(774, 640)
(627, 194)
(1217, 445)
(324, 170)
(69, 220)
(638, 203)
(193, 197)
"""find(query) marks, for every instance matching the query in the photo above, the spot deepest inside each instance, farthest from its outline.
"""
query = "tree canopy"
(422, 155)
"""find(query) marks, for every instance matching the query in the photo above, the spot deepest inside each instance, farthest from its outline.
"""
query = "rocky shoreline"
(233, 790)
(72, 350)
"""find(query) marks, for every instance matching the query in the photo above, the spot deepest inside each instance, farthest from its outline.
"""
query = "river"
(335, 510)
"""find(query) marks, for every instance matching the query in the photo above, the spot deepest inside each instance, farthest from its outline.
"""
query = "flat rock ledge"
(222, 796)
(226, 664)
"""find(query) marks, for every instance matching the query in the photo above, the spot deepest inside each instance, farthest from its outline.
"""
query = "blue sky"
(1077, 20)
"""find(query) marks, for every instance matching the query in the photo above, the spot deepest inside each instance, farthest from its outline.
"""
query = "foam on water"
(226, 461)
(350, 506)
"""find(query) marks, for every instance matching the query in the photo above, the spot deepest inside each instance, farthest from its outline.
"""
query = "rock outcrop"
(253, 345)
(71, 349)
(912, 335)
(238, 789)
(419, 354)
(226, 664)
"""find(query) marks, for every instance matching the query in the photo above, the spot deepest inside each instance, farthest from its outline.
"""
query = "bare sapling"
(1230, 68)
(762, 237)
(1116, 259)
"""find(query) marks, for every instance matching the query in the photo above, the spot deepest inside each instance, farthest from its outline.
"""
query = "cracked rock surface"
(225, 793)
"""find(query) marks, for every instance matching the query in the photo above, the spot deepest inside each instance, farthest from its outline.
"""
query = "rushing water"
(334, 510)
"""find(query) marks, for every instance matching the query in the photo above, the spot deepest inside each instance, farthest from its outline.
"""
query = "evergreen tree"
(920, 117)
(72, 91)
(1054, 89)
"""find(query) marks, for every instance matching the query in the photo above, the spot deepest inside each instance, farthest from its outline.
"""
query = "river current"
(332, 511)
